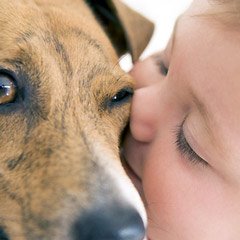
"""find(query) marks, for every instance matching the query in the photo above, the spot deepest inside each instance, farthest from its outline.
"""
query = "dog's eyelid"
(118, 99)
(3, 234)
(121, 93)
(8, 88)
(121, 97)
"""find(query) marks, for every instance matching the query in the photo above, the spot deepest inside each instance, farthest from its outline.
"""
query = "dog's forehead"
(57, 43)
(69, 28)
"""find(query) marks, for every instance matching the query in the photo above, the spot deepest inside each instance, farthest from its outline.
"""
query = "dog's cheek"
(130, 193)
(117, 116)
(13, 132)
(118, 180)
(10, 215)
(121, 116)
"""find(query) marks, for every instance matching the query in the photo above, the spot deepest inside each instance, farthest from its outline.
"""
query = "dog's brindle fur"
(59, 151)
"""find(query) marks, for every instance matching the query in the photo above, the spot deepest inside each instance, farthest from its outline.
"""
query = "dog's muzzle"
(109, 223)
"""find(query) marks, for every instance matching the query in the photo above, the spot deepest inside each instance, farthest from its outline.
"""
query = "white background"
(163, 13)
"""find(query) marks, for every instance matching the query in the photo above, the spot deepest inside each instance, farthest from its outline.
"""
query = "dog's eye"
(3, 235)
(122, 97)
(7, 88)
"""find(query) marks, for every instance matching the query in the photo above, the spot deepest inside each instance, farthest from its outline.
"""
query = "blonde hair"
(227, 11)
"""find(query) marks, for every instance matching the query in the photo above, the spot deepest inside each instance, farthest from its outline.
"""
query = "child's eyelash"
(161, 65)
(185, 149)
(163, 68)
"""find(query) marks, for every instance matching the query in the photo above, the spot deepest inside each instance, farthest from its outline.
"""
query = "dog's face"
(64, 103)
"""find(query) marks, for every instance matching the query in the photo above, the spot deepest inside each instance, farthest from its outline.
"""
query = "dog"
(64, 103)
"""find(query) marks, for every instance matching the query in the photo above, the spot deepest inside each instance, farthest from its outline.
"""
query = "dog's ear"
(128, 30)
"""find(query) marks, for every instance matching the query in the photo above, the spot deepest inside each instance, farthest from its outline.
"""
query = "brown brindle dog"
(64, 102)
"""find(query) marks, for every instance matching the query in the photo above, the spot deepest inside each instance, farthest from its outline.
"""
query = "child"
(183, 147)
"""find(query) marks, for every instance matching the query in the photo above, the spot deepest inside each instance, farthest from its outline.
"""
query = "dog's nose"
(109, 224)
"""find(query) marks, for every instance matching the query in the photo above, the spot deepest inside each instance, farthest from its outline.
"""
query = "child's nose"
(145, 102)
(144, 114)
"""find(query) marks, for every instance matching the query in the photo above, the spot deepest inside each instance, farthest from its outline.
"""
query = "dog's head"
(64, 102)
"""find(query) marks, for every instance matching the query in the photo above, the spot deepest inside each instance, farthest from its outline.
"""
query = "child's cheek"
(186, 199)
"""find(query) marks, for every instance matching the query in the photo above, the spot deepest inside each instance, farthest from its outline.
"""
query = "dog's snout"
(109, 223)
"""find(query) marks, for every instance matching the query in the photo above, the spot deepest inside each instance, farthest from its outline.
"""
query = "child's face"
(185, 132)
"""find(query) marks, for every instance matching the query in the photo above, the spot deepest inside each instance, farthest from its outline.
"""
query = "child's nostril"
(109, 223)
(3, 235)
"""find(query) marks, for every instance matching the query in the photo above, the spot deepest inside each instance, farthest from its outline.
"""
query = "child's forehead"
(209, 60)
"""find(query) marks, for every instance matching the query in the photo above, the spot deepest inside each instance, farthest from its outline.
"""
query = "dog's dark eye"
(3, 235)
(122, 96)
(7, 88)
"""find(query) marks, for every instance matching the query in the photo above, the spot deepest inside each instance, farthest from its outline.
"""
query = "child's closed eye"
(185, 149)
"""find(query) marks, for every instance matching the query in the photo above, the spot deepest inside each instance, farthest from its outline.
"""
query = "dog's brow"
(25, 36)
(83, 35)
(60, 49)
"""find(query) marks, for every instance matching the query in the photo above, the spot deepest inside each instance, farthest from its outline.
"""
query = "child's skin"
(184, 143)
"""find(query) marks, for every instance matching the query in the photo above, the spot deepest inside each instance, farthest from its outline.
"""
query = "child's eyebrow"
(203, 109)
(200, 106)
